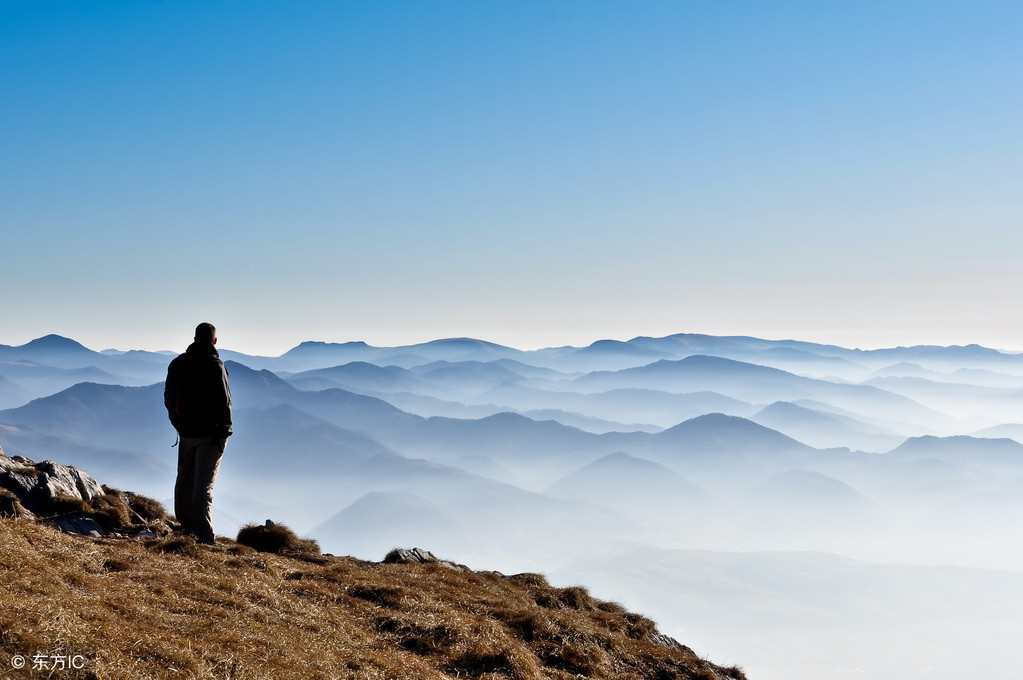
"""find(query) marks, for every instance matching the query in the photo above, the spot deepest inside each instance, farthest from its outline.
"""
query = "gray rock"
(420, 556)
(19, 479)
(76, 524)
(87, 484)
(18, 483)
(667, 641)
(36, 483)
(63, 480)
(16, 463)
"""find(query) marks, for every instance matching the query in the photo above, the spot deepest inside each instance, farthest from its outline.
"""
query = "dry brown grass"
(115, 511)
(10, 506)
(277, 538)
(168, 608)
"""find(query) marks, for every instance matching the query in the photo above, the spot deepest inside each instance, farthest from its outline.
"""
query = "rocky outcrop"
(37, 485)
(420, 556)
(74, 502)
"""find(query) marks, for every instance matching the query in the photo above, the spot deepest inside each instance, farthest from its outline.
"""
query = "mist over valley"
(803, 510)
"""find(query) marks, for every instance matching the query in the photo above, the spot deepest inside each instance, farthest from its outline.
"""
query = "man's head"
(206, 333)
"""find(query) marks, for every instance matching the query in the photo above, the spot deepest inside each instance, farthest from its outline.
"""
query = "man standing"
(198, 400)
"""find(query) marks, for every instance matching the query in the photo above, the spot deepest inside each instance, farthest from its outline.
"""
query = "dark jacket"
(197, 394)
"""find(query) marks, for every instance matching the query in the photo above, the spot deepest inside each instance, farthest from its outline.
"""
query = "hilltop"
(160, 606)
(165, 607)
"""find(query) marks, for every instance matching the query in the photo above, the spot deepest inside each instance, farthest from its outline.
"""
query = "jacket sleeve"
(170, 394)
(227, 415)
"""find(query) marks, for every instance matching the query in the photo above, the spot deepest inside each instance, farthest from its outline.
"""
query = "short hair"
(205, 332)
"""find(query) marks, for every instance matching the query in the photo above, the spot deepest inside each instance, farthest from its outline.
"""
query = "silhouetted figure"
(198, 400)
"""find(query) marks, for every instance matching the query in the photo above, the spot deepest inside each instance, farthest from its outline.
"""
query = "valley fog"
(802, 510)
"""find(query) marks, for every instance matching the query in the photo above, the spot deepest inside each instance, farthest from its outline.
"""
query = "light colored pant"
(198, 464)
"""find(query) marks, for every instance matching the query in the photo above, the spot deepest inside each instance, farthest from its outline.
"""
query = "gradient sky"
(532, 173)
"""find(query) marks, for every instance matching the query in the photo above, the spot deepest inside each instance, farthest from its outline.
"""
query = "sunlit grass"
(167, 607)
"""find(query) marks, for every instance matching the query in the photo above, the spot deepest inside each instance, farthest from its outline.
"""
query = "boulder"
(420, 556)
(74, 502)
(19, 479)
(63, 480)
(76, 524)
(35, 484)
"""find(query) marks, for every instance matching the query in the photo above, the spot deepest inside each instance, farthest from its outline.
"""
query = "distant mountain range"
(718, 413)
(575, 456)
(610, 355)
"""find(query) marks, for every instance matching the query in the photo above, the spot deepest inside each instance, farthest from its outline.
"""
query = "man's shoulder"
(191, 361)
(209, 363)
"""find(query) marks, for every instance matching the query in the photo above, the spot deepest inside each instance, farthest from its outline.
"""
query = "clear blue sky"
(533, 173)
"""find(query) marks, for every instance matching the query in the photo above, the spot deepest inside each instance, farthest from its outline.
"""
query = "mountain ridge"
(678, 345)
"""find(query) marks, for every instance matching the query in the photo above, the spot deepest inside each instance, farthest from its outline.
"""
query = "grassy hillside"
(168, 608)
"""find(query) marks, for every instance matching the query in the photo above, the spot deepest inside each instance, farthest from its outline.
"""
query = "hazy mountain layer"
(585, 459)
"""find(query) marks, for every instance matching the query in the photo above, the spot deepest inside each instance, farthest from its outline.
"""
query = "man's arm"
(170, 394)
(226, 414)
